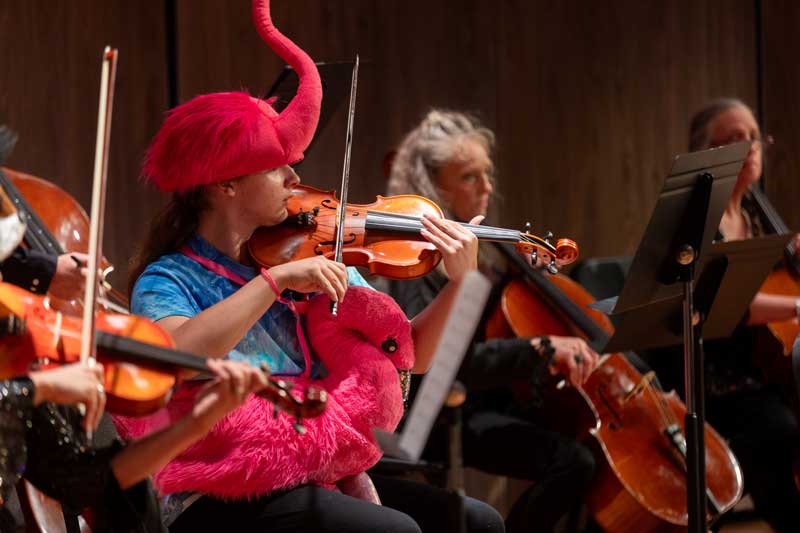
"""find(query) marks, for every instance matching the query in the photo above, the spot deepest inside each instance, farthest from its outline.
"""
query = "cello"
(634, 429)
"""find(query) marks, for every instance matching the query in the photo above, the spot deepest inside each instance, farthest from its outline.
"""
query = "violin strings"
(411, 223)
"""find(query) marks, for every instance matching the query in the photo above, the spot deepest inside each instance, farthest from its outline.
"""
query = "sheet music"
(456, 336)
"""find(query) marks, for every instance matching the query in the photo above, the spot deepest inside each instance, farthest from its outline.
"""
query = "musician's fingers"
(595, 359)
(219, 369)
(327, 287)
(259, 379)
(436, 236)
(447, 228)
(573, 370)
(338, 278)
(89, 413)
(101, 406)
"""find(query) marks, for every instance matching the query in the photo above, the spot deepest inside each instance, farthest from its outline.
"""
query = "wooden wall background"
(589, 99)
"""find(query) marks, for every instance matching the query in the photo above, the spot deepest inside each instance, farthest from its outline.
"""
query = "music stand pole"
(694, 387)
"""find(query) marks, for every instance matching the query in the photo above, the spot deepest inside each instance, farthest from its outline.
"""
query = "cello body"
(56, 224)
(640, 485)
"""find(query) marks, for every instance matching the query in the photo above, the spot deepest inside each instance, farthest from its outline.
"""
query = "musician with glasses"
(448, 158)
(750, 413)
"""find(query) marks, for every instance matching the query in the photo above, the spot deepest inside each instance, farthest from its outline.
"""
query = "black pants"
(763, 433)
(408, 507)
(561, 468)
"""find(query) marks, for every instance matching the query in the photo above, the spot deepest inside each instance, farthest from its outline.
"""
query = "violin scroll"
(564, 252)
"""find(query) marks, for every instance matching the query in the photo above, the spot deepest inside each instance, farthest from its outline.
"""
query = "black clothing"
(62, 465)
(16, 409)
(408, 507)
(500, 436)
(763, 434)
(761, 429)
(488, 364)
(44, 445)
(29, 269)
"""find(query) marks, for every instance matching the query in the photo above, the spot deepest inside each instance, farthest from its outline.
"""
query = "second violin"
(139, 357)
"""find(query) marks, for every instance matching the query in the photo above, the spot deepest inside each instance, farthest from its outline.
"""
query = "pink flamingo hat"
(220, 136)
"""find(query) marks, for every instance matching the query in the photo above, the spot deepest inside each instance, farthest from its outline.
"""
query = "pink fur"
(251, 453)
(220, 136)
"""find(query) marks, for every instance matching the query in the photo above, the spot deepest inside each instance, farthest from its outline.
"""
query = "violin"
(634, 429)
(140, 367)
(31, 333)
(383, 236)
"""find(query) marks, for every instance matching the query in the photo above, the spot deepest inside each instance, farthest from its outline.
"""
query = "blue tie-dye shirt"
(177, 285)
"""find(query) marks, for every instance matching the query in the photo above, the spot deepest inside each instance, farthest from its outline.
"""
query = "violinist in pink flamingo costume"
(362, 348)
(226, 158)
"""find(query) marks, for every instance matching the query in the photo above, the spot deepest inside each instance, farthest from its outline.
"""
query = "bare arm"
(459, 249)
(771, 308)
(217, 330)
(428, 325)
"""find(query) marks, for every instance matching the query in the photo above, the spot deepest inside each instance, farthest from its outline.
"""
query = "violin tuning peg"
(527, 227)
(299, 427)
(534, 256)
(548, 236)
(552, 267)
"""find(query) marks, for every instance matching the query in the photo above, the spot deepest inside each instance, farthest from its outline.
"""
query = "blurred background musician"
(448, 158)
(747, 410)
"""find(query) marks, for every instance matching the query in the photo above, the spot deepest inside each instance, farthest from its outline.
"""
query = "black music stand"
(336, 80)
(662, 279)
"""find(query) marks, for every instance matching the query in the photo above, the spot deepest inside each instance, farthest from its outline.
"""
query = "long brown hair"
(170, 229)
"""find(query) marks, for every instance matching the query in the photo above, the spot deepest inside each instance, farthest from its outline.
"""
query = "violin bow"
(107, 79)
(341, 210)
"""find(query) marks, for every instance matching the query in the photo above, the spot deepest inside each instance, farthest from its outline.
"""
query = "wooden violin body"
(382, 236)
(33, 334)
(634, 429)
(138, 356)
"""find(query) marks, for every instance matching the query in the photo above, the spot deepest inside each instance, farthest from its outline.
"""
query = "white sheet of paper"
(457, 334)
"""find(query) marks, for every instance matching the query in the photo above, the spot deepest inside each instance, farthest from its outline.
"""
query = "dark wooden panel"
(50, 57)
(413, 57)
(782, 106)
(595, 98)
(589, 100)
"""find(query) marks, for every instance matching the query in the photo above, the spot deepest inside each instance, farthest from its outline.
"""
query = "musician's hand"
(458, 245)
(69, 279)
(572, 359)
(234, 381)
(314, 274)
(72, 385)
